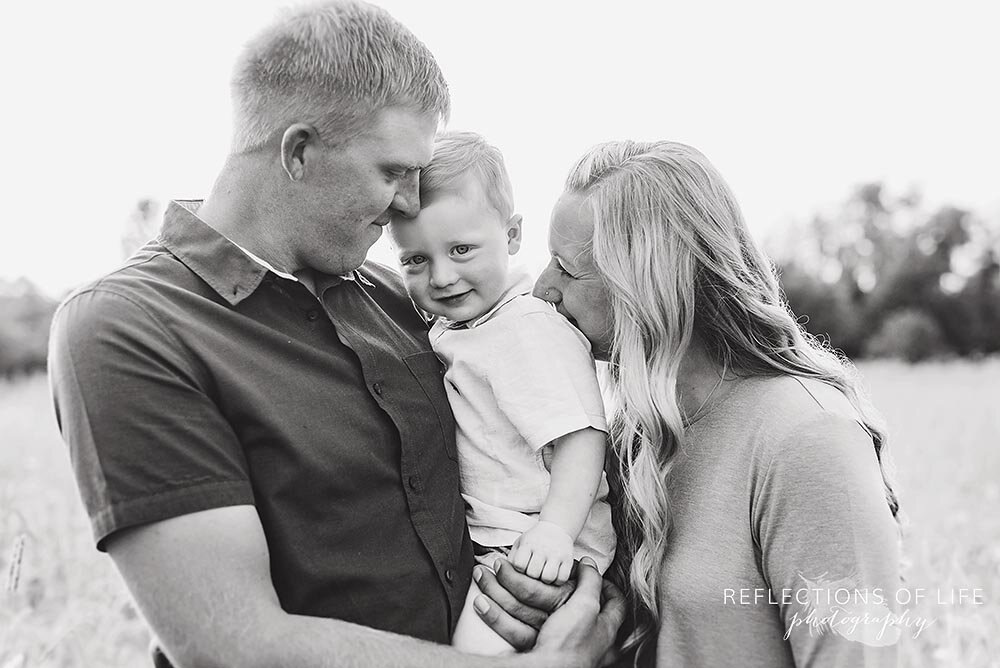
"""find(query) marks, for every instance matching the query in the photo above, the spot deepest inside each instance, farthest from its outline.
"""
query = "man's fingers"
(519, 635)
(584, 622)
(530, 591)
(610, 591)
(612, 606)
(524, 613)
(587, 577)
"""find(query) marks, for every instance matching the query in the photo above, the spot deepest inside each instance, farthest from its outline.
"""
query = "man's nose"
(407, 198)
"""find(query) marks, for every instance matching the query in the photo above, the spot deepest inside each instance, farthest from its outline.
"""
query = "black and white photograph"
(523, 334)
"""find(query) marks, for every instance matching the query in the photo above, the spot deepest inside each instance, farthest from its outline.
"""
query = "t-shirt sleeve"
(544, 380)
(146, 440)
(824, 527)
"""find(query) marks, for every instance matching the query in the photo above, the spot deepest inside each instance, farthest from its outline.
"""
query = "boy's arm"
(577, 465)
(546, 550)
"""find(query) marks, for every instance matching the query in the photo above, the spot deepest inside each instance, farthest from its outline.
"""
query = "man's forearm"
(314, 642)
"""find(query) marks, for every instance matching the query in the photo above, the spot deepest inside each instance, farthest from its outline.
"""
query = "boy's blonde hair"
(458, 155)
(332, 65)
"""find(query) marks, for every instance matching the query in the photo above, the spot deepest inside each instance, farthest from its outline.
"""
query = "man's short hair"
(332, 65)
(461, 155)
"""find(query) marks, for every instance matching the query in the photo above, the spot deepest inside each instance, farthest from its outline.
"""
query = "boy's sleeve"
(544, 380)
(146, 440)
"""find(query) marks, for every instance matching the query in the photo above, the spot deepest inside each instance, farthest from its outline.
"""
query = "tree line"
(884, 277)
(879, 276)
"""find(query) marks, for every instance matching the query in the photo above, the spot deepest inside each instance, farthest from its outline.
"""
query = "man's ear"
(513, 228)
(293, 149)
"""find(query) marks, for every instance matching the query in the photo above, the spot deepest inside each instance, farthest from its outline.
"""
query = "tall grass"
(70, 608)
(944, 421)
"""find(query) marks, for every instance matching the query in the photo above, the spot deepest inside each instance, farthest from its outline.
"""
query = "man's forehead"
(405, 134)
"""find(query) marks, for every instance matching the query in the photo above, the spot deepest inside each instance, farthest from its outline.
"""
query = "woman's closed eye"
(560, 268)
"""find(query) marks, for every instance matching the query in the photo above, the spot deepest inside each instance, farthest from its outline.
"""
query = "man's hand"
(585, 627)
(519, 604)
(544, 552)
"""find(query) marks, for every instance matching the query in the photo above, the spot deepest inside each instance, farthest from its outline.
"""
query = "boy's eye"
(414, 260)
(462, 249)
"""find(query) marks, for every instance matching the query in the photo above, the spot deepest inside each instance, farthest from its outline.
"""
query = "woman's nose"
(545, 290)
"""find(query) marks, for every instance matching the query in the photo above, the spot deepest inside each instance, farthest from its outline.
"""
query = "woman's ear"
(293, 149)
(513, 229)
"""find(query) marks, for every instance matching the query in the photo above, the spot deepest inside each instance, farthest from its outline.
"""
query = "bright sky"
(794, 102)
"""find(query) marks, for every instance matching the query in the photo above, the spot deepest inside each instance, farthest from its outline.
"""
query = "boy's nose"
(442, 275)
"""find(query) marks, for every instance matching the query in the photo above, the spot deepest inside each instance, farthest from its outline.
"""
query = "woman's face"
(571, 281)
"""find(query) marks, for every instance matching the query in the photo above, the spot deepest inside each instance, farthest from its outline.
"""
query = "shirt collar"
(230, 270)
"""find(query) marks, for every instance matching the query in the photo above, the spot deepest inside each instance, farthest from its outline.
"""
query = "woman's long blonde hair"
(671, 243)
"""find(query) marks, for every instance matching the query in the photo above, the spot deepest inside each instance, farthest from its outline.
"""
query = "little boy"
(520, 379)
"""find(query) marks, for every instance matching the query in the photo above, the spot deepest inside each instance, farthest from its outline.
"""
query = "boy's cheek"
(418, 295)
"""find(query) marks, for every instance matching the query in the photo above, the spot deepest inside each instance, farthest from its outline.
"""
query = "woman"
(753, 487)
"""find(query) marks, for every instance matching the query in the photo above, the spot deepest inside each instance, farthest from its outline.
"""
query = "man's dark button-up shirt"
(194, 378)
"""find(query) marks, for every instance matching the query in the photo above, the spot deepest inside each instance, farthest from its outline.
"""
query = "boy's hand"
(544, 552)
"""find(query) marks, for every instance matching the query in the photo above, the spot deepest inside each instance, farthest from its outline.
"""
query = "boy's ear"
(513, 228)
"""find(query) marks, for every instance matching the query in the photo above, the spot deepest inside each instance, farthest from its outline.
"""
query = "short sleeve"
(146, 441)
(823, 525)
(544, 380)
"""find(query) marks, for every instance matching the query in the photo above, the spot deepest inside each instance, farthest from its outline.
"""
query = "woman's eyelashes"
(560, 268)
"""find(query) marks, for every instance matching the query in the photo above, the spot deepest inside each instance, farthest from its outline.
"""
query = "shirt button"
(449, 575)
(412, 482)
(312, 314)
(377, 388)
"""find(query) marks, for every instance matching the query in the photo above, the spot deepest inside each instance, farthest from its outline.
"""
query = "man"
(258, 427)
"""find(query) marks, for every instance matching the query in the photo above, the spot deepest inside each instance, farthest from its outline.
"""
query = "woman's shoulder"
(786, 398)
(803, 415)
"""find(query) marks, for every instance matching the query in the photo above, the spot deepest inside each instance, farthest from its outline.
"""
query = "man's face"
(349, 191)
(454, 254)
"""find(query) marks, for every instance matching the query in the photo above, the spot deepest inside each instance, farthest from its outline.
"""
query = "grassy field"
(69, 608)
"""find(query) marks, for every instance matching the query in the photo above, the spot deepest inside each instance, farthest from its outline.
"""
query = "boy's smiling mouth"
(453, 300)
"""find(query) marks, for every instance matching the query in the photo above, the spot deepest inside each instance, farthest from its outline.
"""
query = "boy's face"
(454, 254)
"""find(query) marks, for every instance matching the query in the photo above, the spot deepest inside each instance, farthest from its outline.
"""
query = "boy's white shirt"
(519, 376)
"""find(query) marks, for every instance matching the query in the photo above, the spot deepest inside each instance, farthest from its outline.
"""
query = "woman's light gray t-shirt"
(775, 491)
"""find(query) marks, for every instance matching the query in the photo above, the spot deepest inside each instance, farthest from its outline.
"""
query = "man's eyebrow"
(404, 166)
